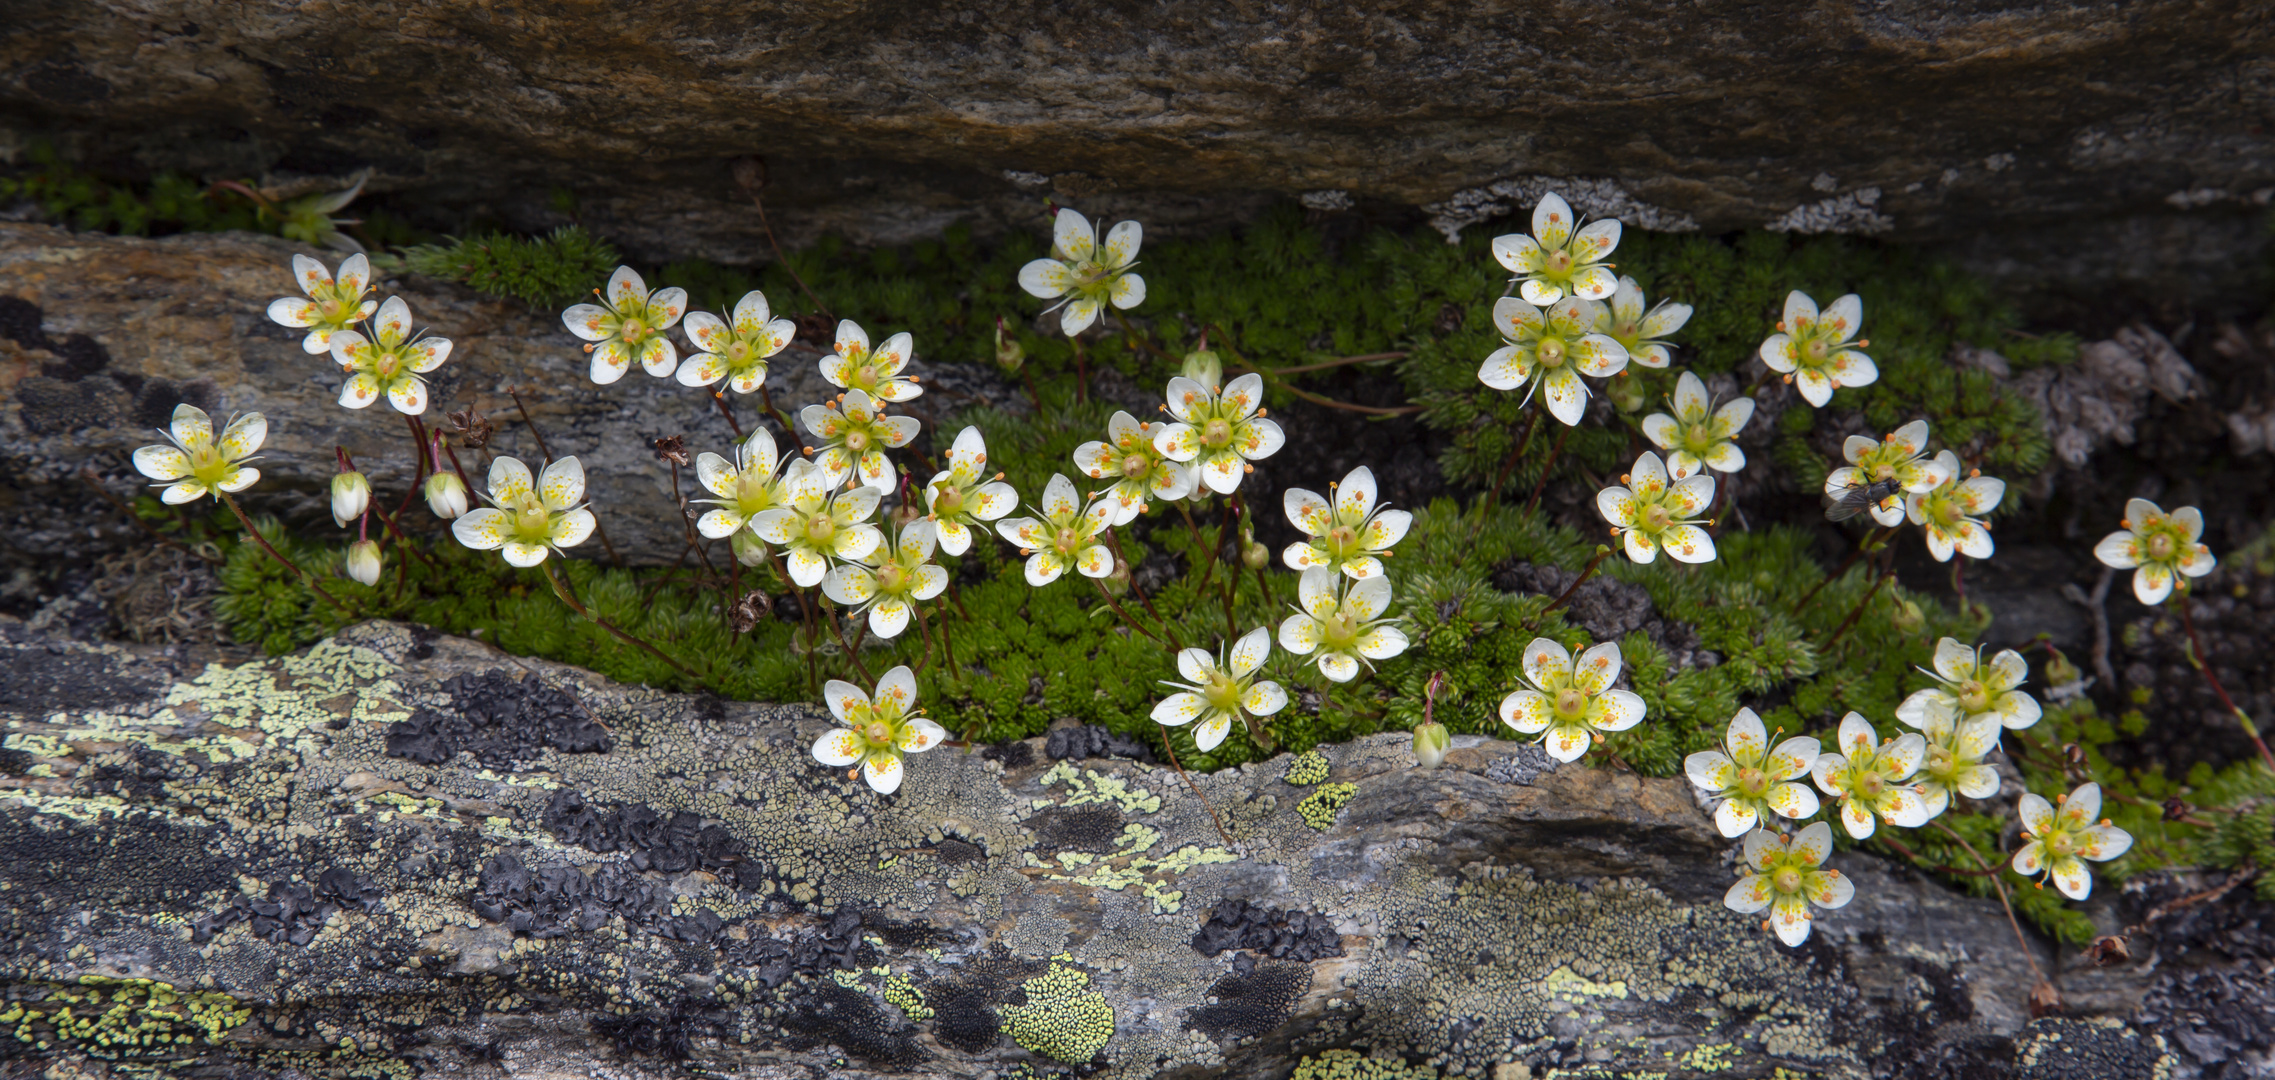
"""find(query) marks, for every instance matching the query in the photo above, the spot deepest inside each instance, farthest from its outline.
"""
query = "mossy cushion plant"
(1010, 648)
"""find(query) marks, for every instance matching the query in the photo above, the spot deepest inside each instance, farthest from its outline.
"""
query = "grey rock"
(700, 893)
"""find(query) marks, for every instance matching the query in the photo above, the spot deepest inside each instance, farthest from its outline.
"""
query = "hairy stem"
(2197, 659)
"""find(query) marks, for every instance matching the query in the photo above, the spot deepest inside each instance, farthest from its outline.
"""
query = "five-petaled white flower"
(2060, 839)
(1067, 535)
(855, 436)
(1873, 782)
(1623, 319)
(1085, 273)
(1969, 689)
(1813, 350)
(529, 519)
(1651, 513)
(818, 524)
(902, 572)
(877, 730)
(962, 496)
(1218, 691)
(2156, 546)
(1782, 875)
(628, 324)
(746, 487)
(1349, 535)
(875, 372)
(1549, 352)
(1952, 515)
(1220, 432)
(1556, 260)
(332, 304)
(1572, 704)
(1900, 458)
(1752, 779)
(388, 362)
(1342, 621)
(737, 351)
(1698, 435)
(197, 462)
(1954, 764)
(1139, 469)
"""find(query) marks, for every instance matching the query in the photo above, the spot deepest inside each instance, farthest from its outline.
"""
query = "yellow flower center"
(1870, 784)
(1752, 781)
(1136, 466)
(1974, 696)
(1656, 518)
(1557, 262)
(891, 578)
(879, 731)
(1342, 540)
(530, 522)
(2161, 547)
(950, 500)
(1067, 538)
(1816, 350)
(1787, 880)
(1217, 432)
(857, 440)
(1222, 693)
(1551, 352)
(1571, 702)
(820, 528)
(634, 331)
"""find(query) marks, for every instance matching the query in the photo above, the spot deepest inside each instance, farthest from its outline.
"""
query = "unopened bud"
(1009, 354)
(2060, 671)
(364, 561)
(1431, 739)
(351, 493)
(748, 548)
(1256, 555)
(1626, 394)
(446, 495)
(1908, 616)
(1204, 368)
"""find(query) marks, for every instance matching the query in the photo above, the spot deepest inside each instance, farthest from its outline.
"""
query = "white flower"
(1550, 352)
(1952, 515)
(1139, 469)
(1067, 535)
(363, 561)
(1873, 781)
(1218, 691)
(1815, 351)
(1623, 319)
(1969, 689)
(1899, 457)
(525, 518)
(1219, 432)
(1571, 704)
(1085, 273)
(628, 324)
(1954, 764)
(1341, 621)
(1782, 875)
(746, 487)
(903, 572)
(1752, 779)
(2156, 546)
(332, 305)
(875, 372)
(736, 352)
(962, 496)
(855, 436)
(2059, 839)
(816, 526)
(1350, 535)
(197, 463)
(877, 731)
(1698, 435)
(1649, 513)
(351, 494)
(389, 362)
(446, 495)
(1555, 260)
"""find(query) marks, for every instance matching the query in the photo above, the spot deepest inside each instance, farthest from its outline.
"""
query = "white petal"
(838, 746)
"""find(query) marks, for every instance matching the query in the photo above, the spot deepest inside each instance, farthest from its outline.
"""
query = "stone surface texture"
(611, 881)
(2098, 141)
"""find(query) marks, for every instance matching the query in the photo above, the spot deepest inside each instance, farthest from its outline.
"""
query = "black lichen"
(289, 913)
(668, 1034)
(1281, 935)
(552, 901)
(501, 721)
(1251, 1000)
(1093, 827)
(1091, 741)
(671, 844)
(850, 1019)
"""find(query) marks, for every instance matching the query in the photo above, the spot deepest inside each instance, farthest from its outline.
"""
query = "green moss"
(1320, 807)
(1063, 1019)
(544, 271)
(1308, 768)
(168, 203)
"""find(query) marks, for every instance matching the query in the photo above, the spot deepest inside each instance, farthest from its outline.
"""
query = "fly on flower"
(1952, 514)
(1880, 470)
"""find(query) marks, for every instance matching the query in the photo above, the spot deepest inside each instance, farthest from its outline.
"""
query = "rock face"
(100, 337)
(398, 852)
(2109, 142)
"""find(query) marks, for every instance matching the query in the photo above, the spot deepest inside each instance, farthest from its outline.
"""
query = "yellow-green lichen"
(109, 1018)
(1063, 1019)
(1089, 786)
(1352, 1065)
(1308, 768)
(1319, 808)
(902, 994)
(1128, 866)
(1566, 984)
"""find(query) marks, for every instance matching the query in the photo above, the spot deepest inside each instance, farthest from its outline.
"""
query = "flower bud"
(364, 562)
(2060, 671)
(1256, 555)
(748, 548)
(1908, 616)
(1430, 743)
(351, 493)
(1625, 392)
(1009, 354)
(446, 495)
(1204, 368)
